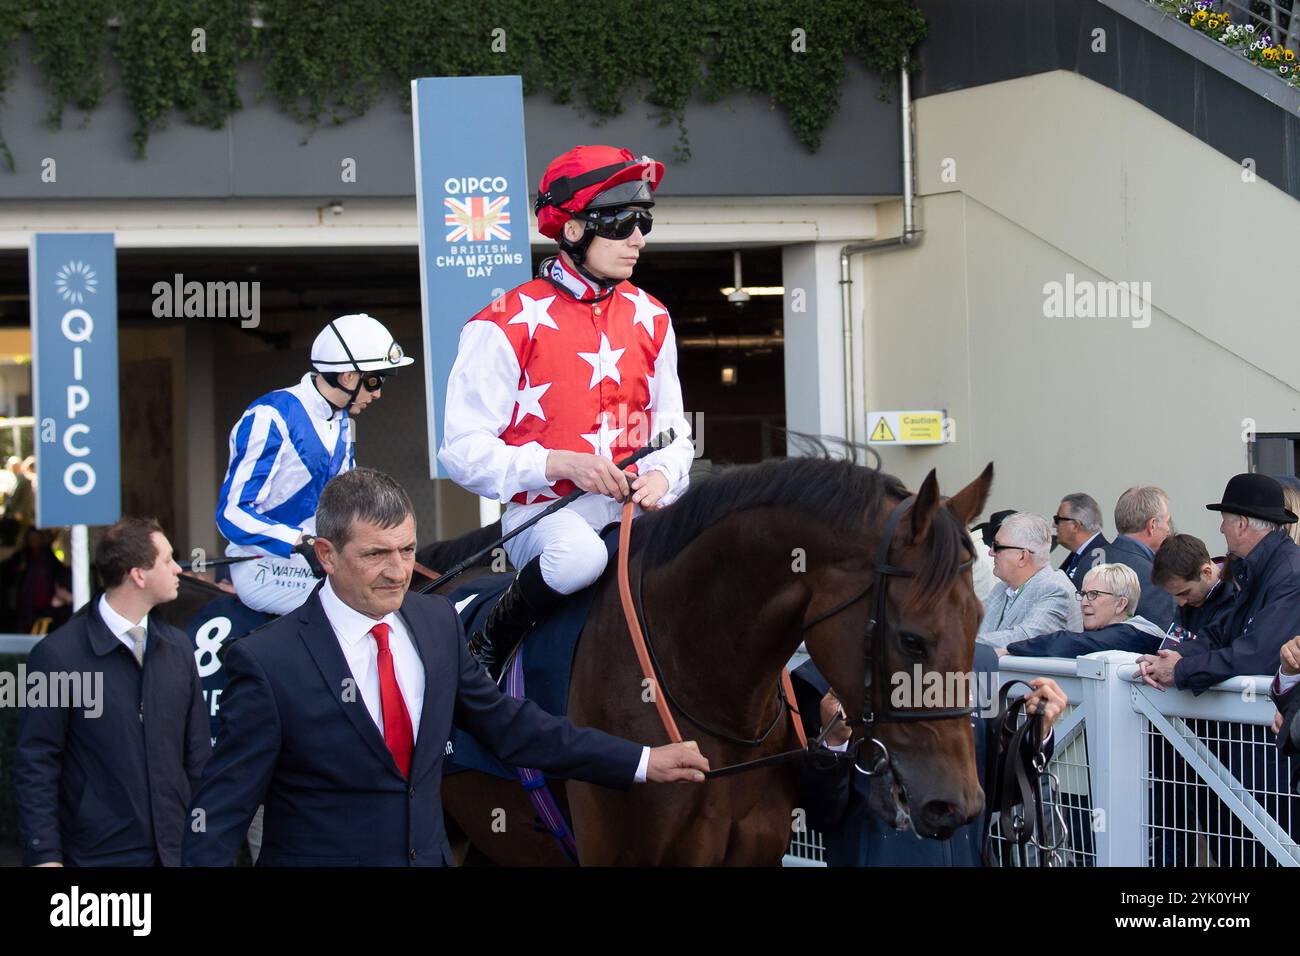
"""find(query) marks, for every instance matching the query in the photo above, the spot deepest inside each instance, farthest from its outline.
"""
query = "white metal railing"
(1158, 778)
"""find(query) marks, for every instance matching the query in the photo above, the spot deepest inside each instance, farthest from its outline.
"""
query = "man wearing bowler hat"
(1266, 612)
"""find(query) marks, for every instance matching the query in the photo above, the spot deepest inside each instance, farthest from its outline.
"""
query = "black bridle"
(877, 633)
(873, 672)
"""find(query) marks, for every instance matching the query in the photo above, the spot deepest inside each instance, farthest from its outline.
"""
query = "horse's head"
(922, 649)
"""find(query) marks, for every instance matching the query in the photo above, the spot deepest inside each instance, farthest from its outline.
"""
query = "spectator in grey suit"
(1037, 598)
(1143, 521)
(1078, 527)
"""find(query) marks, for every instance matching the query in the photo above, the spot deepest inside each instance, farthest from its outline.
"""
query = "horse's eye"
(912, 643)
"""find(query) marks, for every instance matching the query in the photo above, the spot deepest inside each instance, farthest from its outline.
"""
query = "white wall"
(1056, 175)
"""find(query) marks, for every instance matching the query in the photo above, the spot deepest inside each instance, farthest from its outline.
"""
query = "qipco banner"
(74, 378)
(471, 188)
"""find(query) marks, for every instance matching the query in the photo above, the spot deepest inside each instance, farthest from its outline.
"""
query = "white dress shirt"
(119, 625)
(361, 651)
(1286, 681)
(1082, 549)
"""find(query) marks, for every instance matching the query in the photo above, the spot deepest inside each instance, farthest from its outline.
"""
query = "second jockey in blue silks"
(284, 449)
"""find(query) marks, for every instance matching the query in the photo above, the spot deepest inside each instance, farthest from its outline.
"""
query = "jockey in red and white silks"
(562, 376)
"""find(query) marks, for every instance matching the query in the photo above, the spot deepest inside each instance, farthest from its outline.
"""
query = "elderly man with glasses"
(1037, 598)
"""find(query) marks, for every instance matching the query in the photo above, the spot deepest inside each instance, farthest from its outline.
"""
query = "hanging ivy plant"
(69, 43)
(10, 26)
(326, 61)
(184, 57)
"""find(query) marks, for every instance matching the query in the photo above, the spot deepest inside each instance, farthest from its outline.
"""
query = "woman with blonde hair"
(1291, 498)
(1109, 601)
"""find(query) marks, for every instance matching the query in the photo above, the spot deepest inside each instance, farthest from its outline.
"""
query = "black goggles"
(373, 381)
(619, 223)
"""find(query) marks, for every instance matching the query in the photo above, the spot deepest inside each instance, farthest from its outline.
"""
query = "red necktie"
(397, 722)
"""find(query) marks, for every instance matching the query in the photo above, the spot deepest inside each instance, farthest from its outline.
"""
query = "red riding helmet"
(585, 178)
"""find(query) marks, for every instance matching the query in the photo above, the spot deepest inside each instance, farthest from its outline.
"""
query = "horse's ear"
(927, 501)
(968, 504)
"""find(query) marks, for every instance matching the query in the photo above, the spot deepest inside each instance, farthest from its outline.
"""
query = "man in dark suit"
(337, 716)
(1078, 528)
(1143, 521)
(108, 785)
(1287, 697)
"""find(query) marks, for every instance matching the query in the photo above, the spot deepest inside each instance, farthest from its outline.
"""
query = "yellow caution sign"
(923, 427)
(882, 432)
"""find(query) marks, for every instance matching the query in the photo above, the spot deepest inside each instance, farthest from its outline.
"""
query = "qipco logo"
(463, 185)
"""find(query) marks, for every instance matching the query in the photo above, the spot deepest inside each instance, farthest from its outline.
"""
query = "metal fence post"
(1117, 753)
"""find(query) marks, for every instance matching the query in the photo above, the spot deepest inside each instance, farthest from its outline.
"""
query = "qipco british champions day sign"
(74, 378)
(471, 191)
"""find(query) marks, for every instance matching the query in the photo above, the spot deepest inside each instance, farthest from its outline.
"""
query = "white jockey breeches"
(273, 585)
(573, 556)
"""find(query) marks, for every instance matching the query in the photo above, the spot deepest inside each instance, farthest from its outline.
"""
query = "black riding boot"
(527, 598)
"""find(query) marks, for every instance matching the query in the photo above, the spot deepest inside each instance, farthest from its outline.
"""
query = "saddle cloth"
(548, 653)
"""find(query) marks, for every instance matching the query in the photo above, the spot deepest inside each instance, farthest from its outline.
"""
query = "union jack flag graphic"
(477, 218)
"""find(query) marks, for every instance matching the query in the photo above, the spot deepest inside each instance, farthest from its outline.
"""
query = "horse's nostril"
(942, 815)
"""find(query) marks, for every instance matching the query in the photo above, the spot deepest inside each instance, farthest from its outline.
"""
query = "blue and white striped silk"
(283, 450)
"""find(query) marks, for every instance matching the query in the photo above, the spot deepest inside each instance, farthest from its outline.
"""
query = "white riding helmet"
(357, 343)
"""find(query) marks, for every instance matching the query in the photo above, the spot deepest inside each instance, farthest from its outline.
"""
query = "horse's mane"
(834, 491)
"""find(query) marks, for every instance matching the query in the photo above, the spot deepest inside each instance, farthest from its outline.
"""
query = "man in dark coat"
(1184, 568)
(337, 716)
(1266, 610)
(1286, 694)
(1143, 521)
(106, 782)
(1078, 528)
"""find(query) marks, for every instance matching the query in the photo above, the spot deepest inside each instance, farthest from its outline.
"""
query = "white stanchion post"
(80, 566)
(1117, 755)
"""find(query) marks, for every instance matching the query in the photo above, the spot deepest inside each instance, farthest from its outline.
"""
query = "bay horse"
(732, 573)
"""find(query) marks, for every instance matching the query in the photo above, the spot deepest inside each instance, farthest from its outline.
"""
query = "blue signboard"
(74, 378)
(471, 188)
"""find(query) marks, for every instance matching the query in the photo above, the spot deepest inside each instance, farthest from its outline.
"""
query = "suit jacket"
(1086, 560)
(293, 739)
(1248, 639)
(1218, 603)
(1156, 604)
(1046, 603)
(111, 789)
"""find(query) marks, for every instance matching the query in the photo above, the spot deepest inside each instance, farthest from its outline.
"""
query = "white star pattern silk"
(646, 311)
(517, 393)
(602, 440)
(604, 363)
(534, 312)
(529, 400)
